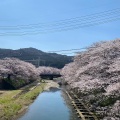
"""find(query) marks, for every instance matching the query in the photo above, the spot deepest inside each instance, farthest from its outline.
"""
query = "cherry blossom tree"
(96, 72)
(18, 71)
(48, 70)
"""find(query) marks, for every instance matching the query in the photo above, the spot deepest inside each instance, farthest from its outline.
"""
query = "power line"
(113, 11)
(63, 24)
(68, 50)
(71, 53)
(81, 23)
(72, 27)
(95, 17)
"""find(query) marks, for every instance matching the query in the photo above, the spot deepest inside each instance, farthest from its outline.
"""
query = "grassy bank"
(14, 102)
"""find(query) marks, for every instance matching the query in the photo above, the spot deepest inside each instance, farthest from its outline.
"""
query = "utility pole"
(44, 62)
(38, 61)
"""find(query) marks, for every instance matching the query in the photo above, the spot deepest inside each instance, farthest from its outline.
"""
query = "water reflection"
(48, 106)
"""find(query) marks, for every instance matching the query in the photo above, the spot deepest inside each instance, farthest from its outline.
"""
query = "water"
(48, 106)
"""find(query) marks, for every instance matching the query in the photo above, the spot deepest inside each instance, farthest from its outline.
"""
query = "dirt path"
(49, 84)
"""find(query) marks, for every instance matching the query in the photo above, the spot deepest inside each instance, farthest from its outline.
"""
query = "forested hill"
(37, 57)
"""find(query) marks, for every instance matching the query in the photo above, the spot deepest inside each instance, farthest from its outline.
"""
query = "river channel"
(50, 105)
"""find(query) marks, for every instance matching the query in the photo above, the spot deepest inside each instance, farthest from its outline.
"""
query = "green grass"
(11, 109)
(31, 95)
(11, 105)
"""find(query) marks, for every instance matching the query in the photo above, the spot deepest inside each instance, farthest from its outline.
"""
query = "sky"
(50, 13)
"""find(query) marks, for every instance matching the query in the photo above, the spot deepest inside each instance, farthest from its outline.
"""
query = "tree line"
(19, 73)
(95, 76)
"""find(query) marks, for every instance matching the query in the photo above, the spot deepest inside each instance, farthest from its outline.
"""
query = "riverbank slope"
(15, 102)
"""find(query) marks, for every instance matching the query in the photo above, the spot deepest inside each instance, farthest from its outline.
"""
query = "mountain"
(37, 57)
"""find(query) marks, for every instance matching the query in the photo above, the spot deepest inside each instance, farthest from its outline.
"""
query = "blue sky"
(25, 12)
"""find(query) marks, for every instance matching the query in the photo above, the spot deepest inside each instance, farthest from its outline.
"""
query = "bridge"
(50, 76)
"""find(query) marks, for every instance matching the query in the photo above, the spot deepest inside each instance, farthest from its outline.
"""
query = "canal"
(50, 105)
